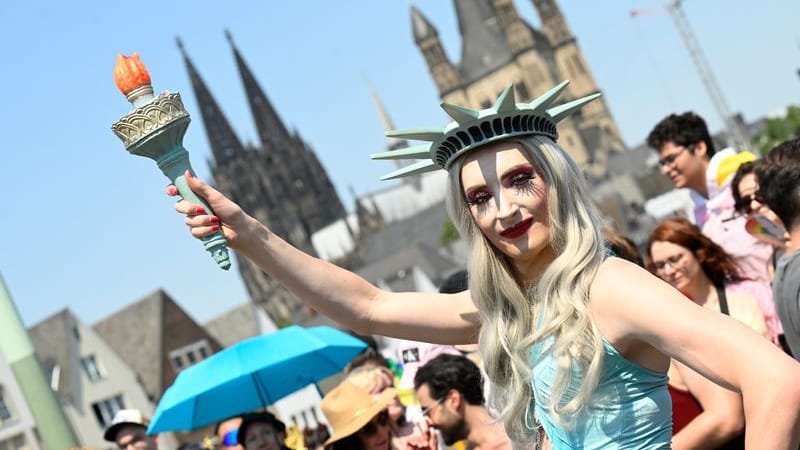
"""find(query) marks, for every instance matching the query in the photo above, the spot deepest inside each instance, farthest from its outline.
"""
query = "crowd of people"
(586, 341)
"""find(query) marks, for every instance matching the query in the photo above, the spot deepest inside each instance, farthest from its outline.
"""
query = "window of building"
(15, 443)
(190, 355)
(54, 371)
(5, 407)
(104, 410)
(92, 368)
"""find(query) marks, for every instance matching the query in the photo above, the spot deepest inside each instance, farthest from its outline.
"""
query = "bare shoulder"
(623, 299)
(619, 281)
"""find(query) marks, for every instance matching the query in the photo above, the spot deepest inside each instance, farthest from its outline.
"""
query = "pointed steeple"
(271, 129)
(386, 121)
(519, 35)
(225, 145)
(427, 39)
(422, 28)
(484, 48)
(553, 23)
(393, 144)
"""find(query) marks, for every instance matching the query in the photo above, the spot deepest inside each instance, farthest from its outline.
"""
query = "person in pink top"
(689, 158)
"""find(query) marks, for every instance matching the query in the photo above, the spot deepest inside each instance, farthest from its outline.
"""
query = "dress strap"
(723, 301)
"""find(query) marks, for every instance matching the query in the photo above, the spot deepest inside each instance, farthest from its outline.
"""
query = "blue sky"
(87, 226)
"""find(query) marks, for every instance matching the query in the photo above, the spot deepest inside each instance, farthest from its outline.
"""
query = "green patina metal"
(475, 128)
(155, 129)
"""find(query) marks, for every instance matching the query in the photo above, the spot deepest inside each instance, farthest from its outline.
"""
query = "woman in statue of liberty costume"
(574, 342)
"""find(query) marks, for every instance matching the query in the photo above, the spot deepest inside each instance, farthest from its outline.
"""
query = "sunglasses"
(670, 159)
(230, 438)
(381, 420)
(745, 204)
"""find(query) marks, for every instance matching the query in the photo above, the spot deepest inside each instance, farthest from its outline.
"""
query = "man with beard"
(450, 391)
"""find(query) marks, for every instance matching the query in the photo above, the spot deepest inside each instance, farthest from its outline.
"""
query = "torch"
(155, 129)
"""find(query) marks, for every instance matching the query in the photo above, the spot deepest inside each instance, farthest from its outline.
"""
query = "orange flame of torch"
(130, 73)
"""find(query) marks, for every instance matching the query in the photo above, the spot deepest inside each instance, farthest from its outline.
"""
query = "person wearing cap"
(570, 337)
(262, 431)
(128, 430)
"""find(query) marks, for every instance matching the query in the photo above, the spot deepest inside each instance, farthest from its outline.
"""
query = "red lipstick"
(517, 230)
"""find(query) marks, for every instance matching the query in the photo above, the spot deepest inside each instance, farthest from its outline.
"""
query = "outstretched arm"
(335, 292)
(645, 309)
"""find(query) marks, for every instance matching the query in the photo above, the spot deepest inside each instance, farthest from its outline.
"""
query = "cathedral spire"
(225, 145)
(271, 130)
(391, 142)
(386, 121)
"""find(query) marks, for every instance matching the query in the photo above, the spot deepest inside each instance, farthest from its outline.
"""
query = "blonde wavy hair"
(557, 302)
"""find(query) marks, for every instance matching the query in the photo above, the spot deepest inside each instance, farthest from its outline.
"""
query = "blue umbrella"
(252, 374)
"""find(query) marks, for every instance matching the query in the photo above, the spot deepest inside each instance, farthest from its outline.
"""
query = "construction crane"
(737, 136)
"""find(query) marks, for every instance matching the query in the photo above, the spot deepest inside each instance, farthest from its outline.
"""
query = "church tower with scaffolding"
(280, 181)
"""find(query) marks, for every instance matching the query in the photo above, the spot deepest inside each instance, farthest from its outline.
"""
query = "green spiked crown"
(475, 128)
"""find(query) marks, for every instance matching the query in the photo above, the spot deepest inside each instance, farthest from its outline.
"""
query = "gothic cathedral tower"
(281, 182)
(500, 48)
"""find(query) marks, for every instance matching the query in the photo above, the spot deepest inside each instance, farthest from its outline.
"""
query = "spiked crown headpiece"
(475, 128)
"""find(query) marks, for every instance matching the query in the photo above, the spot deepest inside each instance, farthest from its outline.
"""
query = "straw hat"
(348, 408)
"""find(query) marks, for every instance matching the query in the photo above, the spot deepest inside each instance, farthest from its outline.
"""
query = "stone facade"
(158, 339)
(91, 380)
(499, 48)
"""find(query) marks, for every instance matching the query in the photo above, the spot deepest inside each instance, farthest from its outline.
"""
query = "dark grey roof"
(54, 341)
(395, 270)
(422, 227)
(234, 325)
(484, 48)
(637, 161)
(592, 140)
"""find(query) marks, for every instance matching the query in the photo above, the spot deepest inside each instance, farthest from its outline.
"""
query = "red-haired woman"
(705, 415)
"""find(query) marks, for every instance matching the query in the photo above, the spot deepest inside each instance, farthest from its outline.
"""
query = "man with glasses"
(128, 430)
(450, 392)
(688, 157)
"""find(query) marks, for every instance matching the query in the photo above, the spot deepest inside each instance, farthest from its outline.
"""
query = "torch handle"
(174, 165)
